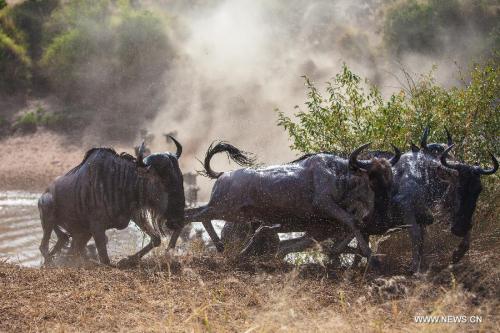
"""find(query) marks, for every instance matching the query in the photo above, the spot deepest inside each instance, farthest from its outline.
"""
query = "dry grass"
(204, 292)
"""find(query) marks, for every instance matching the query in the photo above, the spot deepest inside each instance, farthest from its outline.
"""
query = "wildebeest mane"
(89, 152)
(306, 156)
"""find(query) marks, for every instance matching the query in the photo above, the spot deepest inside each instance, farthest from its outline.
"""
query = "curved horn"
(396, 157)
(423, 140)
(491, 171)
(448, 136)
(444, 162)
(178, 153)
(139, 154)
(353, 159)
(414, 147)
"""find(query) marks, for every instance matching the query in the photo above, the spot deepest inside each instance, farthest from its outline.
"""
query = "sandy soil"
(31, 162)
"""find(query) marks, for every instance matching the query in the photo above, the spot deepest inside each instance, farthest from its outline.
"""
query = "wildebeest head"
(434, 149)
(166, 166)
(468, 188)
(378, 169)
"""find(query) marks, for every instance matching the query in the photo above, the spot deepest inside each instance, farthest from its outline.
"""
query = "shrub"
(352, 113)
(21, 42)
(109, 57)
(424, 26)
(30, 121)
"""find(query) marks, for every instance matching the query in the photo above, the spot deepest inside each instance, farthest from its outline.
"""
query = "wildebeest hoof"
(127, 262)
(219, 247)
(457, 256)
(375, 263)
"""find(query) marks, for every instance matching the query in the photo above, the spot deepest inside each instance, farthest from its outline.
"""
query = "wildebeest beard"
(171, 178)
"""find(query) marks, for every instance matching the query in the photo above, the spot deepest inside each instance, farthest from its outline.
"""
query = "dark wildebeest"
(427, 185)
(107, 190)
(422, 189)
(322, 188)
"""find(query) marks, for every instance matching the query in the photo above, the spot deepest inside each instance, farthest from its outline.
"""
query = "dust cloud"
(239, 60)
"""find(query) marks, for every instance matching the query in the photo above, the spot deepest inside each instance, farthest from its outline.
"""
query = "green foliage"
(21, 42)
(15, 64)
(419, 26)
(31, 120)
(108, 56)
(351, 114)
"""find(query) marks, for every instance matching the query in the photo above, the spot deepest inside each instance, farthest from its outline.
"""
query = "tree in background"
(429, 26)
(21, 36)
(109, 58)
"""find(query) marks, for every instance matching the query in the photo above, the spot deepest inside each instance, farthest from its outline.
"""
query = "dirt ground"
(206, 293)
(31, 162)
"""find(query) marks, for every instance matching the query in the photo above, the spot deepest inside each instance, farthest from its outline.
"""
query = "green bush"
(21, 36)
(30, 121)
(352, 113)
(15, 65)
(109, 57)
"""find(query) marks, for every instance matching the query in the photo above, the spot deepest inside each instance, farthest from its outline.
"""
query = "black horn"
(396, 157)
(357, 164)
(444, 162)
(178, 153)
(423, 140)
(414, 148)
(448, 136)
(139, 154)
(491, 171)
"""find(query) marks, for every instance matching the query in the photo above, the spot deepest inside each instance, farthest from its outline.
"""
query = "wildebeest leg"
(295, 245)
(340, 247)
(155, 241)
(203, 214)
(47, 218)
(337, 213)
(44, 245)
(173, 238)
(250, 247)
(213, 235)
(357, 257)
(100, 240)
(78, 243)
(417, 232)
(62, 239)
(462, 248)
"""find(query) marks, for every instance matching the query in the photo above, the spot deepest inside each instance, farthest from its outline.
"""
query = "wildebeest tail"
(241, 157)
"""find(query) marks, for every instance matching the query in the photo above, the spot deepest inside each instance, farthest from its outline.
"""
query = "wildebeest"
(107, 190)
(322, 188)
(427, 185)
(424, 185)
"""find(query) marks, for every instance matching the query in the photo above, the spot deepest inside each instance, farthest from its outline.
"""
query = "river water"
(21, 231)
